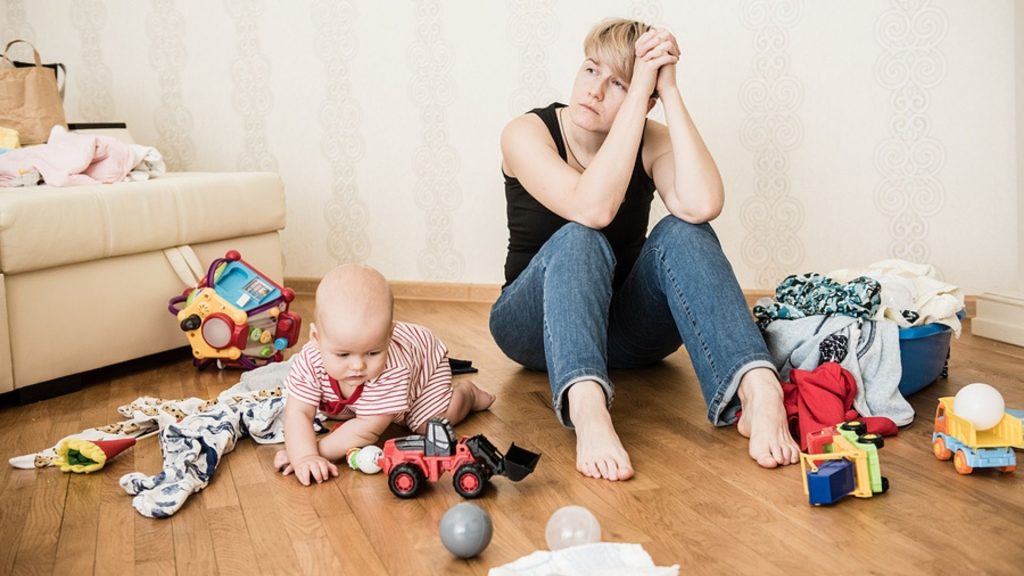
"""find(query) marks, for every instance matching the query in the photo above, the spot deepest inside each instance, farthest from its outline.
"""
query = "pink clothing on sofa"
(69, 159)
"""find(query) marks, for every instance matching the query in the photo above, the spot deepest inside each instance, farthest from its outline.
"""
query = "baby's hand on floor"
(314, 467)
(281, 462)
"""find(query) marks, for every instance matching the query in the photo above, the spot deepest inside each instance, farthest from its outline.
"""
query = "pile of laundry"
(835, 340)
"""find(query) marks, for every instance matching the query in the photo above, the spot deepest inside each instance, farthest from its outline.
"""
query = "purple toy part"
(172, 305)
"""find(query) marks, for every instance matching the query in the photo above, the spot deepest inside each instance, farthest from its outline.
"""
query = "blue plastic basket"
(924, 355)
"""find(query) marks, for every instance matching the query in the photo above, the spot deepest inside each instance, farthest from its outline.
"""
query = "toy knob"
(233, 255)
(281, 343)
(288, 294)
(191, 323)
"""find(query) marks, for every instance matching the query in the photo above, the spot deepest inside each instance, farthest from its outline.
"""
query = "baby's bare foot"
(764, 421)
(480, 398)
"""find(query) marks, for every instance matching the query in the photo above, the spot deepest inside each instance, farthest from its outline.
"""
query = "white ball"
(366, 459)
(572, 526)
(979, 404)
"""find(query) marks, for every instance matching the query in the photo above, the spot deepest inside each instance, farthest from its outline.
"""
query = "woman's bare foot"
(764, 420)
(599, 452)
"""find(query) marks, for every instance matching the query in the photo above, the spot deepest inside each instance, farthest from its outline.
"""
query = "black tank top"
(530, 224)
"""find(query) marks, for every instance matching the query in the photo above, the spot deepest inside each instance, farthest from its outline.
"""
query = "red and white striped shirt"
(416, 383)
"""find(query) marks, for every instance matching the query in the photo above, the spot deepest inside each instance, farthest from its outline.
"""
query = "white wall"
(846, 132)
(1019, 76)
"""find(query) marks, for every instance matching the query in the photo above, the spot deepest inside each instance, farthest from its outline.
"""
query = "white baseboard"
(1000, 316)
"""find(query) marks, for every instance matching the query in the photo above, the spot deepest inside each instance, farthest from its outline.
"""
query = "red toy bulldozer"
(410, 460)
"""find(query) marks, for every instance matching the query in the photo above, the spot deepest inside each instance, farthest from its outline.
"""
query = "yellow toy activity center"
(236, 316)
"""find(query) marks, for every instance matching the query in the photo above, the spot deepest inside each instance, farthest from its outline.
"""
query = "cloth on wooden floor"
(824, 397)
(597, 559)
(148, 414)
(145, 416)
(194, 446)
(131, 428)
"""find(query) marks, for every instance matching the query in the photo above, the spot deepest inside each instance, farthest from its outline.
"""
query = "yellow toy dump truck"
(971, 448)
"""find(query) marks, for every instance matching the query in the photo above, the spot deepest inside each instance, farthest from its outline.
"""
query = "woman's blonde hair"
(612, 42)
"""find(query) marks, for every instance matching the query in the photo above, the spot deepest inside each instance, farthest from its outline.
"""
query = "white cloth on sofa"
(69, 159)
(148, 163)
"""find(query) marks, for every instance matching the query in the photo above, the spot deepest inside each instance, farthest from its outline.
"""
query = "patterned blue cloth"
(193, 449)
(816, 295)
(194, 446)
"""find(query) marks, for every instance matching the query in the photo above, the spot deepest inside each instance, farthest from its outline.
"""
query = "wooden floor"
(697, 501)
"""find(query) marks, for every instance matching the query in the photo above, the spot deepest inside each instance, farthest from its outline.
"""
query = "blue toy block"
(833, 480)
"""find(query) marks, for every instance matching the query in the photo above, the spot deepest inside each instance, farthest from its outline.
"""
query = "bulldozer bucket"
(519, 463)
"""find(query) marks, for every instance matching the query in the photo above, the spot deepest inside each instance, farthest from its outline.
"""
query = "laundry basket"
(924, 355)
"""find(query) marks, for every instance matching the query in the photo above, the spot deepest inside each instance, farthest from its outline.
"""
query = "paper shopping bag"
(29, 98)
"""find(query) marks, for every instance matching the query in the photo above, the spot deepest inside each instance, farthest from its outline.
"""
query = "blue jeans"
(562, 315)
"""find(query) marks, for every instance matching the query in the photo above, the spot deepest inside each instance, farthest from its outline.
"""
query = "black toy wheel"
(405, 480)
(855, 426)
(872, 438)
(470, 481)
(885, 485)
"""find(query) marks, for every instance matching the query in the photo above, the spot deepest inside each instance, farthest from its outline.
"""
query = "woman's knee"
(577, 242)
(678, 232)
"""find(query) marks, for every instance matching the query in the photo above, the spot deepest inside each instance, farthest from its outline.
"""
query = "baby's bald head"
(353, 298)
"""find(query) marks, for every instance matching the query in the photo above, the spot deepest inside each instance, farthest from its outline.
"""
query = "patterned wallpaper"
(845, 132)
(250, 79)
(910, 160)
(435, 162)
(341, 142)
(89, 19)
(165, 26)
(15, 22)
(772, 216)
(532, 32)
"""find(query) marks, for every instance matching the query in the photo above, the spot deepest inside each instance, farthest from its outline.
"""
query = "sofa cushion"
(45, 226)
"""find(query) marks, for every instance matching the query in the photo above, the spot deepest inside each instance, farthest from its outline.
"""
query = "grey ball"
(466, 530)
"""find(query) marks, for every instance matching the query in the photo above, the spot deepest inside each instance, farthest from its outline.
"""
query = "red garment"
(824, 397)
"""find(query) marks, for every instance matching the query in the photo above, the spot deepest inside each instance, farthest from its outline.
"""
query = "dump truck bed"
(1008, 432)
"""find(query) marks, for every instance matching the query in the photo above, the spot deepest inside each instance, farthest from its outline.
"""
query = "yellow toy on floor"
(236, 316)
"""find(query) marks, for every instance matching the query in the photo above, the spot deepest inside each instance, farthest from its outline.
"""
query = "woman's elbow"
(700, 214)
(710, 213)
(598, 219)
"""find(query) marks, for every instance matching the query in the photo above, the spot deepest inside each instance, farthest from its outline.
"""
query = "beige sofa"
(84, 278)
